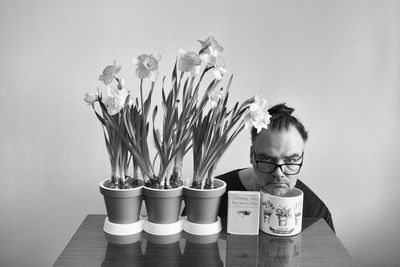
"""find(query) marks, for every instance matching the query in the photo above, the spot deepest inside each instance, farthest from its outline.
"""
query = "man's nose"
(278, 172)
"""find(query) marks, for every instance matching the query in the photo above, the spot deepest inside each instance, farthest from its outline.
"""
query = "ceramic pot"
(163, 205)
(122, 205)
(286, 217)
(202, 205)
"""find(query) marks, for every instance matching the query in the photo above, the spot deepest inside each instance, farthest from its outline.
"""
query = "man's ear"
(252, 160)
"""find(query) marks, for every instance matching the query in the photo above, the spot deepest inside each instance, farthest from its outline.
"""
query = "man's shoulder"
(313, 205)
(229, 175)
(308, 193)
(232, 180)
(303, 187)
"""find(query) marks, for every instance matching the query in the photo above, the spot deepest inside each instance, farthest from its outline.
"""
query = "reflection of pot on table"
(162, 250)
(201, 251)
(123, 255)
(279, 251)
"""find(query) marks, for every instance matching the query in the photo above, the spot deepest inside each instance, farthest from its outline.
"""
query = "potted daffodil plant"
(215, 128)
(122, 193)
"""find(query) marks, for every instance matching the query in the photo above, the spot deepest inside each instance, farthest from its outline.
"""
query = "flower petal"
(152, 63)
(135, 60)
(156, 55)
(217, 74)
(109, 72)
(215, 96)
(90, 98)
(153, 75)
(188, 61)
(106, 79)
(257, 115)
(195, 71)
(141, 71)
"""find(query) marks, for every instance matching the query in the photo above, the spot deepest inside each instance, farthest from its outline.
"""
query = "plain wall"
(335, 62)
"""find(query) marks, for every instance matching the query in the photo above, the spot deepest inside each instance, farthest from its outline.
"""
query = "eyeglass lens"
(285, 168)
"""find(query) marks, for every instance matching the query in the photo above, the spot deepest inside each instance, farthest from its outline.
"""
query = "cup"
(281, 215)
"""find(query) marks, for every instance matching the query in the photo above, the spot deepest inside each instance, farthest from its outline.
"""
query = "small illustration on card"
(243, 212)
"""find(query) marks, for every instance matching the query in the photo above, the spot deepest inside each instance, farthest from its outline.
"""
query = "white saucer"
(202, 229)
(120, 229)
(163, 229)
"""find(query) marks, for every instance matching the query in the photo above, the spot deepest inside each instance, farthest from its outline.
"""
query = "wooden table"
(316, 245)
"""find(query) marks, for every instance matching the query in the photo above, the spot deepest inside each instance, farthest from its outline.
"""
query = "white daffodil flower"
(115, 99)
(131, 100)
(210, 42)
(215, 96)
(188, 62)
(90, 98)
(147, 66)
(109, 72)
(257, 115)
(213, 59)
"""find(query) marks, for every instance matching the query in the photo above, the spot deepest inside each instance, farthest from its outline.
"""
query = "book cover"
(243, 212)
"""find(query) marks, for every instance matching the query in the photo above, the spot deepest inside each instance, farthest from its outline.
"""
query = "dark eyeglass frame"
(278, 165)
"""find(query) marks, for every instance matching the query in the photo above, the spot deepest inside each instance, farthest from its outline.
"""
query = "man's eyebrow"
(294, 155)
(264, 155)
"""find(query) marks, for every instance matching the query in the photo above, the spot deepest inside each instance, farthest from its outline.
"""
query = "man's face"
(279, 147)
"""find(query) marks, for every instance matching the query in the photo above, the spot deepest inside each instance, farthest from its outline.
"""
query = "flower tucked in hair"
(147, 66)
(257, 115)
(109, 72)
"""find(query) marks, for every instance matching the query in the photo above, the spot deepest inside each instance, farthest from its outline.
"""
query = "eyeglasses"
(270, 167)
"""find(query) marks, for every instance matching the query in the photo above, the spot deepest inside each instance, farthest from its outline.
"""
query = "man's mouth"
(278, 184)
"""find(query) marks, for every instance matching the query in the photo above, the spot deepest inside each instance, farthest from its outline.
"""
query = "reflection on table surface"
(316, 245)
(176, 250)
(189, 250)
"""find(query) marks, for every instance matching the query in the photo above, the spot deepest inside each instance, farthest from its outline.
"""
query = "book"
(243, 212)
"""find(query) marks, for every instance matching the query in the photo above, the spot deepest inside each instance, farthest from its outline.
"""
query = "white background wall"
(336, 62)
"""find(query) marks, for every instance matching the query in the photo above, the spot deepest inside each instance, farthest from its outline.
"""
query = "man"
(276, 155)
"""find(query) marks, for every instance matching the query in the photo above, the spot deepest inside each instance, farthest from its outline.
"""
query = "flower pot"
(123, 205)
(202, 206)
(282, 221)
(267, 217)
(163, 205)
